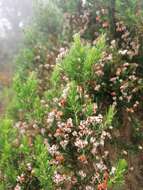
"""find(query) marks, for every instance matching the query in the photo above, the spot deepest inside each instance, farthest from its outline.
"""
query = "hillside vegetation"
(74, 118)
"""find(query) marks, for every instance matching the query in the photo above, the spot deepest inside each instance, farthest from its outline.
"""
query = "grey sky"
(14, 15)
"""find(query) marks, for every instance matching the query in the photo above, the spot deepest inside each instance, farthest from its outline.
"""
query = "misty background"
(14, 16)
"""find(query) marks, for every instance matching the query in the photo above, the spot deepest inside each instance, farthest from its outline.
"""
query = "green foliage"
(38, 111)
(7, 154)
(118, 177)
(92, 86)
(13, 158)
(24, 61)
(71, 6)
(48, 14)
(109, 116)
(73, 102)
(24, 147)
(26, 93)
(32, 36)
(89, 108)
(129, 11)
(74, 61)
(26, 103)
(94, 54)
(43, 170)
(78, 64)
(55, 78)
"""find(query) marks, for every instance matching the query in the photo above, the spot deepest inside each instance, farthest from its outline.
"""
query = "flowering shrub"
(103, 73)
(77, 131)
(26, 97)
(23, 164)
(36, 170)
(74, 104)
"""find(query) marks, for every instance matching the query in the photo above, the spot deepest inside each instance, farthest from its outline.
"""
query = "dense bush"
(74, 121)
(76, 127)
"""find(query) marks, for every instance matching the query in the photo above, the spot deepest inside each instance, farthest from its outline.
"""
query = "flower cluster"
(77, 22)
(62, 53)
(118, 83)
(44, 62)
(28, 129)
(77, 138)
(25, 177)
(77, 147)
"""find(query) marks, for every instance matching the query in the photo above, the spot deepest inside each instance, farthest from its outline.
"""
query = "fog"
(14, 15)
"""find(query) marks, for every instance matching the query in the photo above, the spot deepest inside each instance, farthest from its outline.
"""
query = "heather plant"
(77, 131)
(25, 61)
(118, 174)
(23, 165)
(43, 169)
(77, 65)
(36, 171)
(7, 171)
(26, 95)
(47, 24)
(74, 121)
(97, 70)
(48, 14)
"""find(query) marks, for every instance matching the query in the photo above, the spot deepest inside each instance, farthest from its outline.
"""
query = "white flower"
(97, 12)
(94, 151)
(69, 122)
(96, 144)
(109, 57)
(82, 174)
(81, 143)
(97, 87)
(58, 178)
(51, 117)
(140, 147)
(74, 133)
(125, 152)
(17, 187)
(121, 98)
(43, 130)
(64, 143)
(101, 166)
(53, 149)
(102, 142)
(29, 167)
(113, 169)
(92, 139)
(123, 52)
(99, 119)
(88, 187)
(131, 168)
(104, 133)
(106, 153)
(113, 43)
(110, 127)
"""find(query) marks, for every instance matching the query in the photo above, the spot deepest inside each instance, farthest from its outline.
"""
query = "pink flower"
(58, 178)
(81, 143)
(82, 174)
(17, 187)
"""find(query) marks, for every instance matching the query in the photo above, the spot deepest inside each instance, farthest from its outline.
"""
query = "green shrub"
(66, 122)
(77, 127)
(8, 154)
(26, 94)
(118, 173)
(43, 170)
